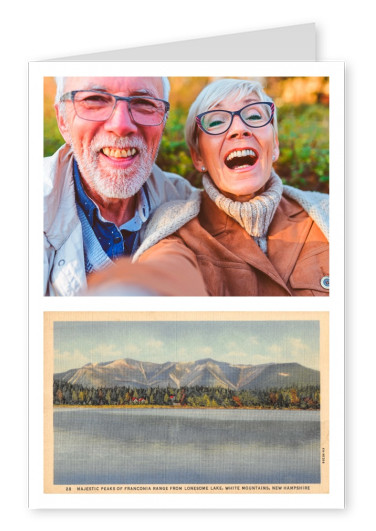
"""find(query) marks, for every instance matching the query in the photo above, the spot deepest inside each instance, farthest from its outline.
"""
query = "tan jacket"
(213, 255)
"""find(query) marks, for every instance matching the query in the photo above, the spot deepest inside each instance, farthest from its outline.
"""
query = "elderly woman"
(246, 233)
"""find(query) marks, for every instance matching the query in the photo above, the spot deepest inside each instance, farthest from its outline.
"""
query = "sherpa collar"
(171, 216)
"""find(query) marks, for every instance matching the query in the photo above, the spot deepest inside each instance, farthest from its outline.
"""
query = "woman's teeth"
(241, 153)
(241, 158)
(119, 153)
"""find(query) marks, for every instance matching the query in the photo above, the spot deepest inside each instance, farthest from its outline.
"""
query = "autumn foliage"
(304, 397)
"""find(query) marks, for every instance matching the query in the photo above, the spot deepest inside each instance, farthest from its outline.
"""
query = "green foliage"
(52, 137)
(304, 146)
(174, 155)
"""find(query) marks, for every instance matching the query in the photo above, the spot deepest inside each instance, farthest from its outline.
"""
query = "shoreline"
(149, 406)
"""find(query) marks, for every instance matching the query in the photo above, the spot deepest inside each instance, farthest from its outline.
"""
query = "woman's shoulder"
(305, 196)
(316, 204)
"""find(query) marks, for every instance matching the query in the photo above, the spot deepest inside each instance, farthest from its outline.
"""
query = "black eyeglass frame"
(71, 96)
(236, 113)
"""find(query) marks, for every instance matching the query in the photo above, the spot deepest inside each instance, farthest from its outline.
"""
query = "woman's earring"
(203, 168)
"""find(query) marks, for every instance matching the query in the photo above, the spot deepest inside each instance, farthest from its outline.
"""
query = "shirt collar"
(141, 214)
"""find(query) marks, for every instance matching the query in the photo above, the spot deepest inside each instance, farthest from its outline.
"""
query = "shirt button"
(325, 282)
(117, 240)
(61, 262)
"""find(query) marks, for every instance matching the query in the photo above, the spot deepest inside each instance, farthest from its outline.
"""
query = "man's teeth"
(241, 153)
(119, 153)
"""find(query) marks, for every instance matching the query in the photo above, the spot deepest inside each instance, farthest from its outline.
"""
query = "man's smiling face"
(115, 156)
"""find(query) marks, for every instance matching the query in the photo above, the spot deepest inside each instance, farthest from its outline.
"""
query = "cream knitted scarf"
(255, 215)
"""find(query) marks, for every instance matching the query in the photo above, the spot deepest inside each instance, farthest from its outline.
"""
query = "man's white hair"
(60, 85)
(213, 94)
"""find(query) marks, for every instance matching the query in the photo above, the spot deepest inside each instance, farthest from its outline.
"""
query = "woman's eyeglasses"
(254, 115)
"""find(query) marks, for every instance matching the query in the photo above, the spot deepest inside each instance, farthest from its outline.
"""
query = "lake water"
(172, 446)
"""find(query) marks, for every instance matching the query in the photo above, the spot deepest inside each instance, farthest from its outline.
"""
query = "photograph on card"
(186, 402)
(186, 186)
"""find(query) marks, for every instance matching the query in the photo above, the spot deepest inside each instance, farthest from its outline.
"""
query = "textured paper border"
(50, 488)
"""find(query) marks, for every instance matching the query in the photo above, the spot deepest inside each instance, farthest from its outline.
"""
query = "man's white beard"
(115, 183)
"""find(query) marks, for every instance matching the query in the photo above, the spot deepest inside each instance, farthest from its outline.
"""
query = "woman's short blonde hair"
(216, 92)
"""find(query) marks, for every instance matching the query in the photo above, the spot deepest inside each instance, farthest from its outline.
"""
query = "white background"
(41, 30)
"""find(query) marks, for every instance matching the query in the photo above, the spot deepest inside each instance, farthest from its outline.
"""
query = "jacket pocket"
(311, 274)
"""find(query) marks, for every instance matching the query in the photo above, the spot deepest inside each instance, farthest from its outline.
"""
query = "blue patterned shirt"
(115, 241)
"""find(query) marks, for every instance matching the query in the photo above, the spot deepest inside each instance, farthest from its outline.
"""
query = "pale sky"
(245, 342)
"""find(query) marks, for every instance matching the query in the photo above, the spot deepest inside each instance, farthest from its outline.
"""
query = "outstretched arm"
(168, 268)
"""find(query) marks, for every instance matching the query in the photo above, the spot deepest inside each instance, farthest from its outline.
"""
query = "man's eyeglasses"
(253, 115)
(98, 106)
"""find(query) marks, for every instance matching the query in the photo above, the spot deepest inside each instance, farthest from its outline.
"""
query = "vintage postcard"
(188, 403)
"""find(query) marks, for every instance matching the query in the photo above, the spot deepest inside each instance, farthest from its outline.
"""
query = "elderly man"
(102, 186)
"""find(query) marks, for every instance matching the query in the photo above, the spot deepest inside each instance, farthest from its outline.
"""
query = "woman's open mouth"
(241, 158)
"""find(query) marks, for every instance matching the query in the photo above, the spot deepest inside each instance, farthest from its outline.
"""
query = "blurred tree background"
(303, 128)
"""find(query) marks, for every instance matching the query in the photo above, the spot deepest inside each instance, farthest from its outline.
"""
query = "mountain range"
(206, 372)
